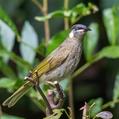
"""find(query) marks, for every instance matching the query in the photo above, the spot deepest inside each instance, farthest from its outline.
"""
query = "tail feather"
(12, 100)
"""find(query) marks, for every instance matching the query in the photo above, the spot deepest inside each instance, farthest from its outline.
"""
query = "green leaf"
(7, 38)
(56, 41)
(8, 21)
(29, 43)
(57, 113)
(77, 11)
(7, 70)
(18, 60)
(58, 13)
(116, 88)
(6, 82)
(108, 52)
(6, 116)
(97, 106)
(90, 41)
(111, 22)
(64, 84)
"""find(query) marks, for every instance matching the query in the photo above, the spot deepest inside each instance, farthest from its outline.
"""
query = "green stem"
(110, 103)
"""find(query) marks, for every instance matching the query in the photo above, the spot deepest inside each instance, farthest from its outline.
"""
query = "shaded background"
(97, 81)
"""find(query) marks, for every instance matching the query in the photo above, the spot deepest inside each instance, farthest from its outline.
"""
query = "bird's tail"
(12, 100)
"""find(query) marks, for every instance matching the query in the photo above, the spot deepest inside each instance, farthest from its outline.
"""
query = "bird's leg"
(29, 78)
(55, 102)
(49, 109)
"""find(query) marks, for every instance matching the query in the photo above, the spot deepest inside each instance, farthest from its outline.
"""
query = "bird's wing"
(52, 61)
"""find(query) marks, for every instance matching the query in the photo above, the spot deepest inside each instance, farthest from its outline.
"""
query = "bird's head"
(78, 31)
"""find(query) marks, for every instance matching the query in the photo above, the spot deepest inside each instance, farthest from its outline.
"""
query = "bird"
(56, 66)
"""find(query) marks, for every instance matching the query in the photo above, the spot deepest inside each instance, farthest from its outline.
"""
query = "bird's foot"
(56, 96)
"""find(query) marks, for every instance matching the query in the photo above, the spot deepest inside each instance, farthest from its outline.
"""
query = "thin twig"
(44, 9)
(66, 19)
(110, 104)
(46, 23)
(38, 4)
(71, 99)
(43, 95)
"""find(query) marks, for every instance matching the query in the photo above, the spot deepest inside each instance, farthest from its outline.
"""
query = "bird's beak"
(87, 29)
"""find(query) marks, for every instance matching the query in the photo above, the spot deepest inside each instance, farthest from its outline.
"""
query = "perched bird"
(57, 65)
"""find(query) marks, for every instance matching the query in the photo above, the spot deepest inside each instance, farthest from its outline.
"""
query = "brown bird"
(57, 65)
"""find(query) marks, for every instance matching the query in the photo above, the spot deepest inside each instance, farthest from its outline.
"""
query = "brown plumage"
(60, 63)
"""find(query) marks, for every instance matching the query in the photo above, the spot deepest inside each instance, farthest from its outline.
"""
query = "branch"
(66, 20)
(44, 9)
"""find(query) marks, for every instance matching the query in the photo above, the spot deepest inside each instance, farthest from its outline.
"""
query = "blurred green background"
(23, 45)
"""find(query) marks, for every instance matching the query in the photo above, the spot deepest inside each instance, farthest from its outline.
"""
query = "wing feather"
(54, 60)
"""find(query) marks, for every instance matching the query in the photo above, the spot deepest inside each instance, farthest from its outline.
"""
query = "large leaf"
(8, 21)
(29, 43)
(6, 116)
(108, 52)
(7, 38)
(90, 41)
(18, 60)
(97, 106)
(7, 70)
(6, 82)
(111, 21)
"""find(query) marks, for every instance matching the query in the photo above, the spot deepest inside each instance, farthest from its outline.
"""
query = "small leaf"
(97, 107)
(64, 84)
(105, 115)
(111, 18)
(6, 82)
(29, 43)
(90, 41)
(56, 41)
(57, 113)
(8, 21)
(109, 52)
(6, 116)
(7, 37)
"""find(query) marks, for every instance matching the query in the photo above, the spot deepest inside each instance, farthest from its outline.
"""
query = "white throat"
(71, 35)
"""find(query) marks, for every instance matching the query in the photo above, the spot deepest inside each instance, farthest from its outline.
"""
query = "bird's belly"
(63, 70)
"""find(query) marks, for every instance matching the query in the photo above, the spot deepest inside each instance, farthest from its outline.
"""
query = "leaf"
(97, 107)
(90, 41)
(18, 60)
(7, 70)
(64, 84)
(105, 115)
(8, 21)
(7, 82)
(29, 43)
(6, 116)
(78, 10)
(7, 37)
(116, 88)
(108, 52)
(57, 113)
(111, 18)
(56, 41)
(58, 13)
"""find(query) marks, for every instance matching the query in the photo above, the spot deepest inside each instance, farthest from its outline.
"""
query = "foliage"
(28, 47)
